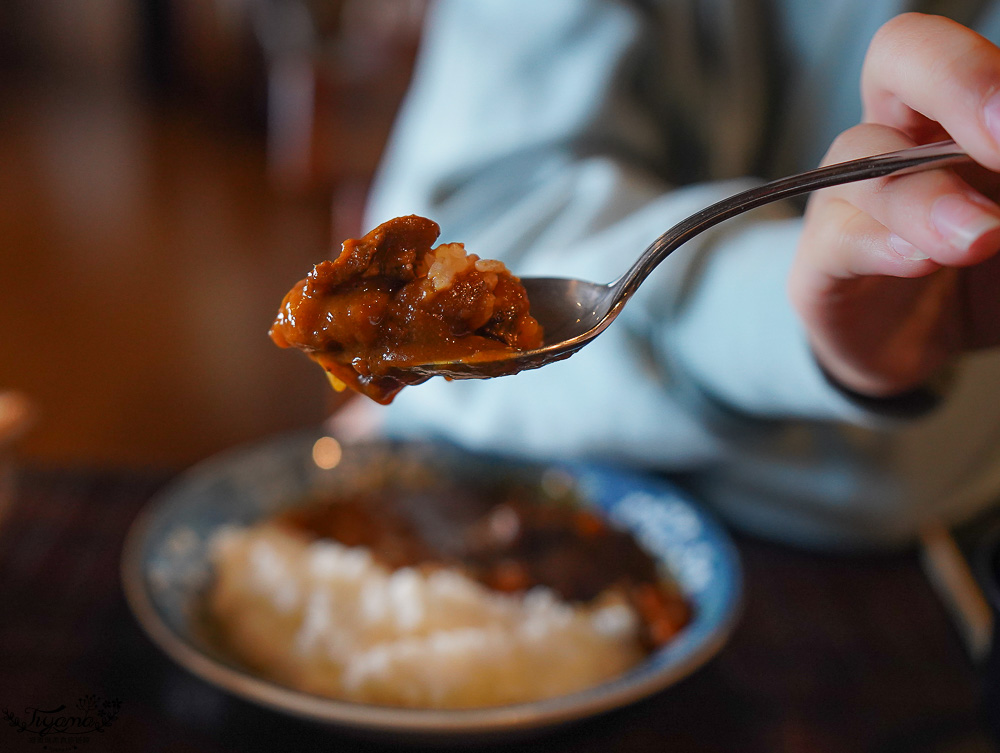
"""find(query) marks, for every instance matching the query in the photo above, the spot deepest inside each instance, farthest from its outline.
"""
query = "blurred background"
(168, 169)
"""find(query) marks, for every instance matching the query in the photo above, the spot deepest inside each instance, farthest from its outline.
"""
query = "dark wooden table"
(832, 653)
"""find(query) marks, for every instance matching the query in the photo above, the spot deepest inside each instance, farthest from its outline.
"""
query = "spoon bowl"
(574, 312)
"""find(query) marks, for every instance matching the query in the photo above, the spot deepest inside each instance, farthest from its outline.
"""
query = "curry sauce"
(391, 301)
(505, 538)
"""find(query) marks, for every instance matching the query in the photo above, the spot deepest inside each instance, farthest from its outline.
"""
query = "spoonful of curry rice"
(390, 304)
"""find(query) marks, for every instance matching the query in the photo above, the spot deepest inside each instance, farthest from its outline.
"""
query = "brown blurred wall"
(148, 229)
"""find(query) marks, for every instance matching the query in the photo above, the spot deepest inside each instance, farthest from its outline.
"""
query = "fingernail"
(906, 249)
(991, 116)
(961, 221)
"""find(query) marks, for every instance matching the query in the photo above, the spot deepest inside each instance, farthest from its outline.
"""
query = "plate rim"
(600, 699)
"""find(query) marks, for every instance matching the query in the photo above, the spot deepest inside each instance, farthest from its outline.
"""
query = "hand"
(356, 419)
(894, 277)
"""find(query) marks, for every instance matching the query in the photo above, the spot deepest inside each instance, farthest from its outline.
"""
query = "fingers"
(884, 277)
(905, 226)
(356, 421)
(843, 242)
(932, 214)
(922, 71)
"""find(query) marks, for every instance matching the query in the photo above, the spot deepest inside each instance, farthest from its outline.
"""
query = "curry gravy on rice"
(452, 598)
(390, 301)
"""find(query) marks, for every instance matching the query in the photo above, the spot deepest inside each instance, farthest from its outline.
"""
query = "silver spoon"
(574, 312)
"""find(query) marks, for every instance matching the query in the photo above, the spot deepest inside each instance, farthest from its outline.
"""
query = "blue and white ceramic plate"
(165, 568)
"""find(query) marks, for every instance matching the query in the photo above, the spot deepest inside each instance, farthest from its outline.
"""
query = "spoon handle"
(914, 159)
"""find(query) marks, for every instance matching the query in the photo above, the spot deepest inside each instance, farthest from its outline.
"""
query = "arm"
(708, 369)
(547, 147)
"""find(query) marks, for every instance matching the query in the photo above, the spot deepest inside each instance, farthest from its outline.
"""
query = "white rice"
(449, 260)
(330, 620)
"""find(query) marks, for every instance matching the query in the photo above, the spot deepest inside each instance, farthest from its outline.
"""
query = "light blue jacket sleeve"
(561, 137)
(523, 139)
